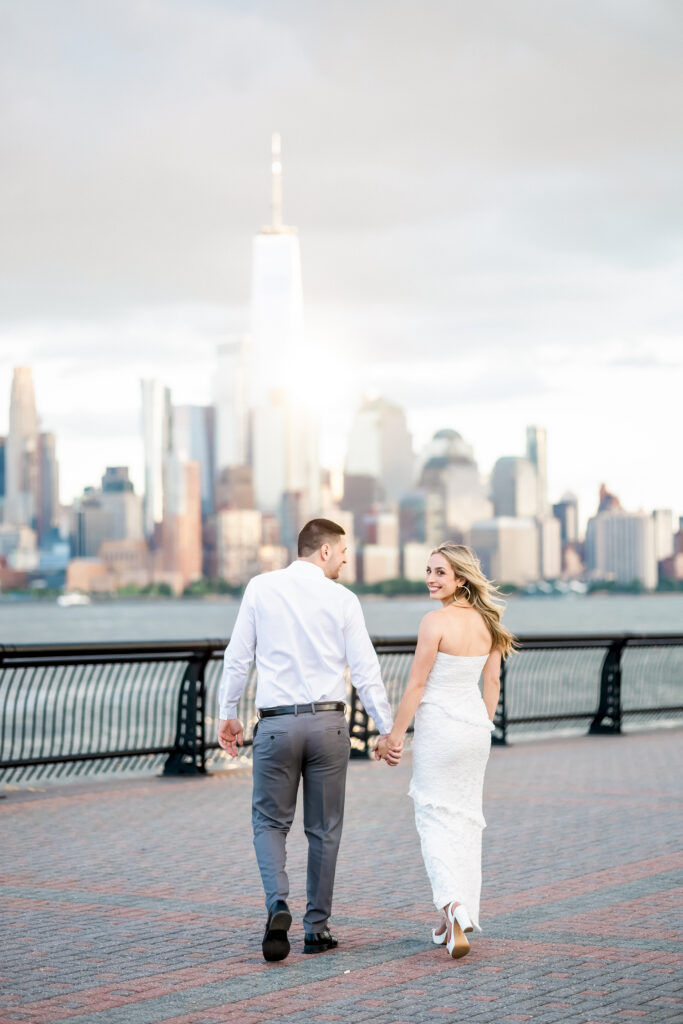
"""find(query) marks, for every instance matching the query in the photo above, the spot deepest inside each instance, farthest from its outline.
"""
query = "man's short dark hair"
(316, 533)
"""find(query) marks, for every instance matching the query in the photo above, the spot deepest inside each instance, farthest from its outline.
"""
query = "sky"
(488, 198)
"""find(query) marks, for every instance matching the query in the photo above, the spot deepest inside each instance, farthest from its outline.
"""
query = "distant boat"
(72, 600)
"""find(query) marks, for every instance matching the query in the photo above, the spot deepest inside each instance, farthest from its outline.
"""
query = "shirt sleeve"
(364, 664)
(239, 655)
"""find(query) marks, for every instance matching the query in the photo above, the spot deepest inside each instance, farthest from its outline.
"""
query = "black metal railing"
(74, 708)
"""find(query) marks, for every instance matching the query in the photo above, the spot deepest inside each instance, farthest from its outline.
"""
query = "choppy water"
(46, 622)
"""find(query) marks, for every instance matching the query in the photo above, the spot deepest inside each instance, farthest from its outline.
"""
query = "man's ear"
(325, 552)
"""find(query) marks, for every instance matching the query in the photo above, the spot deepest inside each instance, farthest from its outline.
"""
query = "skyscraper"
(284, 440)
(123, 507)
(380, 446)
(232, 404)
(156, 428)
(508, 548)
(621, 546)
(3, 451)
(450, 471)
(567, 511)
(48, 478)
(182, 523)
(513, 487)
(192, 436)
(537, 454)
(22, 481)
(664, 533)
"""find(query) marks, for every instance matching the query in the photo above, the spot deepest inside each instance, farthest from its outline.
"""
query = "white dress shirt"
(305, 629)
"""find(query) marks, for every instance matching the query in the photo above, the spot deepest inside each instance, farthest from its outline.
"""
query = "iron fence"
(72, 709)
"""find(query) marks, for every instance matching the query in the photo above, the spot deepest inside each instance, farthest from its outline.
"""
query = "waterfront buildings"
(380, 562)
(238, 540)
(112, 512)
(508, 549)
(621, 546)
(415, 558)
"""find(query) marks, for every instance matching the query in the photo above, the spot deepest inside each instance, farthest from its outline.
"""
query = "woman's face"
(441, 581)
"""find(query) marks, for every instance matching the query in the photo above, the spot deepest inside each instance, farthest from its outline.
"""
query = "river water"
(46, 622)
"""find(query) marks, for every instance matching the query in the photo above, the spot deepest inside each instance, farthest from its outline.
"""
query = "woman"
(453, 725)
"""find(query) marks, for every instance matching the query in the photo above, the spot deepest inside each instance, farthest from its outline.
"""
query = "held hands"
(230, 735)
(385, 750)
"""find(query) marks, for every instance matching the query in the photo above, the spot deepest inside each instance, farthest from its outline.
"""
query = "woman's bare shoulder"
(432, 621)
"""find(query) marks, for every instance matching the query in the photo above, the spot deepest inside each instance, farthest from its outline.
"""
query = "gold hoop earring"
(466, 590)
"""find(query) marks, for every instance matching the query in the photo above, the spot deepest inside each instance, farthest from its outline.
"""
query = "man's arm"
(364, 664)
(239, 655)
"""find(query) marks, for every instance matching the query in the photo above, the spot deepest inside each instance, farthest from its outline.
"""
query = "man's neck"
(313, 560)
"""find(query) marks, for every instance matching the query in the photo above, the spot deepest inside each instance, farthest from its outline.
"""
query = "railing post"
(608, 717)
(500, 716)
(188, 756)
(358, 725)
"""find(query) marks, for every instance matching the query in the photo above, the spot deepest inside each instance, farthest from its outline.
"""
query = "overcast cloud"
(487, 194)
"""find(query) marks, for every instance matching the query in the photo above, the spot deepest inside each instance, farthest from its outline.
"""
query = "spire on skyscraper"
(276, 227)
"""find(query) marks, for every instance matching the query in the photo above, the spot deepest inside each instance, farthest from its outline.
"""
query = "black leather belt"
(303, 709)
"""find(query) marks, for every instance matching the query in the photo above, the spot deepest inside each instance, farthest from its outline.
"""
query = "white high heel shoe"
(439, 938)
(459, 919)
(463, 918)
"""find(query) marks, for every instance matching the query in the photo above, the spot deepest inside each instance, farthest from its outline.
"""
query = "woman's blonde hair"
(479, 592)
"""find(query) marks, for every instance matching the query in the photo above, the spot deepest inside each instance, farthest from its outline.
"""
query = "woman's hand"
(388, 750)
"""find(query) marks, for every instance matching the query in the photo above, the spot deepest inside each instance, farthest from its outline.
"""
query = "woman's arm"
(492, 682)
(428, 639)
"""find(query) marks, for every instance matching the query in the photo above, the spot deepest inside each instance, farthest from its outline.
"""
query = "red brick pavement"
(139, 902)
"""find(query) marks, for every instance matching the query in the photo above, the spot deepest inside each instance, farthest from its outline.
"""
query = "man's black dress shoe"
(275, 943)
(319, 942)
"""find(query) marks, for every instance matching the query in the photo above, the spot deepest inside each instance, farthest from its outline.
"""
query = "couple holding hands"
(304, 629)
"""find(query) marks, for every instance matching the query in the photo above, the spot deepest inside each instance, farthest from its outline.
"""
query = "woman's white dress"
(451, 747)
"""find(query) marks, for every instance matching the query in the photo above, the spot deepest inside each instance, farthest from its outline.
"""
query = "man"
(304, 629)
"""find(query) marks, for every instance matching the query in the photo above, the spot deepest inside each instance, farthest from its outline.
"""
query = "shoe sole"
(461, 946)
(276, 945)
(318, 949)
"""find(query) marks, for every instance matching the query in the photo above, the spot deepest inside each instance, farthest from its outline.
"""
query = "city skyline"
(202, 524)
(488, 238)
(167, 427)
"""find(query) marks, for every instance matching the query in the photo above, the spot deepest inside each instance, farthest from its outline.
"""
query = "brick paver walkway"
(139, 902)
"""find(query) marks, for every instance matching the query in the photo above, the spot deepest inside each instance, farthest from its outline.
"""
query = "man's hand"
(230, 735)
(390, 752)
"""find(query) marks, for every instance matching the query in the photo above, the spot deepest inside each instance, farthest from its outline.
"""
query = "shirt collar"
(306, 567)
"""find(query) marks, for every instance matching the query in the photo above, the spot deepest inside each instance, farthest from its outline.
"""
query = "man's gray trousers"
(314, 747)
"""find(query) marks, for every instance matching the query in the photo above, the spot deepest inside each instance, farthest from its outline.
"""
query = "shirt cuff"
(228, 710)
